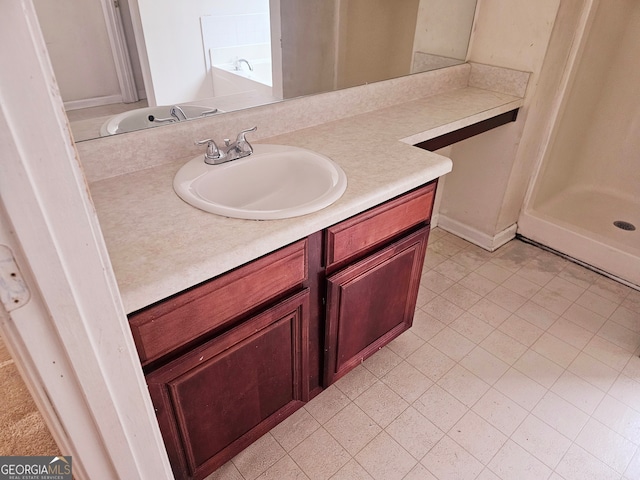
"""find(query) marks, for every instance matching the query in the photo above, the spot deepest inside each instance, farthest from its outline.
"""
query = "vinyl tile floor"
(519, 365)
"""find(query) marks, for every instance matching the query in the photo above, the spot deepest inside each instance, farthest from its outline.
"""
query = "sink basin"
(274, 182)
(133, 120)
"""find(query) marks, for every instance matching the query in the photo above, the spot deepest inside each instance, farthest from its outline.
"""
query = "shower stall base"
(579, 222)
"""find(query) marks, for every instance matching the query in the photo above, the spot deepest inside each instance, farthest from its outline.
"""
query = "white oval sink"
(274, 182)
(133, 120)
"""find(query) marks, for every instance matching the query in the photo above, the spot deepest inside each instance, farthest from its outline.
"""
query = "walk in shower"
(585, 198)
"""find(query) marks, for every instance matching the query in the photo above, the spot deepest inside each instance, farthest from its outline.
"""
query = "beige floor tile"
(352, 471)
(486, 366)
(514, 462)
(478, 437)
(523, 331)
(608, 353)
(443, 310)
(579, 275)
(606, 445)
(440, 407)
(542, 441)
(258, 457)
(464, 385)
(436, 282)
(537, 315)
(431, 362)
(538, 368)
(520, 388)
(407, 381)
(551, 300)
(381, 403)
(579, 464)
(627, 391)
(593, 371)
(487, 474)
(452, 270)
(620, 418)
(471, 259)
(597, 304)
(382, 362)
(627, 318)
(452, 344)
(471, 327)
(356, 381)
(414, 432)
(320, 455)
(461, 296)
(510, 301)
(327, 404)
(384, 459)
(565, 288)
(352, 428)
(433, 258)
(633, 470)
(406, 344)
(489, 312)
(295, 429)
(424, 296)
(500, 411)
(478, 284)
(584, 317)
(228, 471)
(619, 335)
(520, 285)
(570, 333)
(561, 415)
(284, 469)
(419, 472)
(503, 346)
(449, 460)
(532, 272)
(578, 392)
(425, 326)
(555, 350)
(494, 272)
(610, 289)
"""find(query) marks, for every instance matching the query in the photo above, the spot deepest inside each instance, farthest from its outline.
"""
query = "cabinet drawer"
(369, 229)
(177, 321)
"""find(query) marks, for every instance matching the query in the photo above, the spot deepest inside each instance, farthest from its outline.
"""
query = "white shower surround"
(589, 174)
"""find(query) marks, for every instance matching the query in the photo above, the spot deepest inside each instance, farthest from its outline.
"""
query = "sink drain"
(621, 224)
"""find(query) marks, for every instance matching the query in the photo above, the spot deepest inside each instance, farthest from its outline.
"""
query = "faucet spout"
(177, 113)
(243, 60)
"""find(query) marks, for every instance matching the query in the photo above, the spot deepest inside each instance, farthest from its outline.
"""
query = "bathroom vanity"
(238, 322)
(229, 359)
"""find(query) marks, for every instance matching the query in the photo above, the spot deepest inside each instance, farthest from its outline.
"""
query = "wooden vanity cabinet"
(216, 400)
(377, 260)
(229, 359)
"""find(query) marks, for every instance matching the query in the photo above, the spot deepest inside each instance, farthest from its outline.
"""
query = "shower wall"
(590, 172)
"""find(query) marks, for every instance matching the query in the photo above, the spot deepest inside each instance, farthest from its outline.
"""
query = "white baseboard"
(474, 236)
(92, 102)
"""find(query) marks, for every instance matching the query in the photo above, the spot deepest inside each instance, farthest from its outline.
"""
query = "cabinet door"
(216, 400)
(371, 302)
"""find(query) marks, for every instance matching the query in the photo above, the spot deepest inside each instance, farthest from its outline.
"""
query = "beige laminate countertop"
(160, 245)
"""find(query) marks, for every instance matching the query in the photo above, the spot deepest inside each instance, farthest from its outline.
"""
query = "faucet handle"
(213, 152)
(241, 136)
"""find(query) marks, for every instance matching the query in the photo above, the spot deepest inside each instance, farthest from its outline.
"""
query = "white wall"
(444, 27)
(173, 38)
(512, 34)
(78, 45)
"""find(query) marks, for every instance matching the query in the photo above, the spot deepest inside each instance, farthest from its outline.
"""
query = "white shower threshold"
(579, 223)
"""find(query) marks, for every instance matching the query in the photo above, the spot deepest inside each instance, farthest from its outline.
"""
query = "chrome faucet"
(177, 113)
(241, 60)
(231, 151)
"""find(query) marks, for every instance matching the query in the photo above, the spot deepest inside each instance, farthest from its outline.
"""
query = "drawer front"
(177, 321)
(369, 229)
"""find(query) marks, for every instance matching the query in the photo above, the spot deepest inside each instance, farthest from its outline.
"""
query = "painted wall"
(512, 34)
(172, 34)
(78, 45)
(444, 27)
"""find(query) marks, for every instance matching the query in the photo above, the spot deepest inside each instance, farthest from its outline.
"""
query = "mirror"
(223, 55)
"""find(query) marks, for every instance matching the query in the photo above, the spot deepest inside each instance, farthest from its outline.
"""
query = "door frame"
(70, 339)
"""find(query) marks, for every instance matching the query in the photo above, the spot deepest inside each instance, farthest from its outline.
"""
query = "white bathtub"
(228, 81)
(133, 120)
(589, 176)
